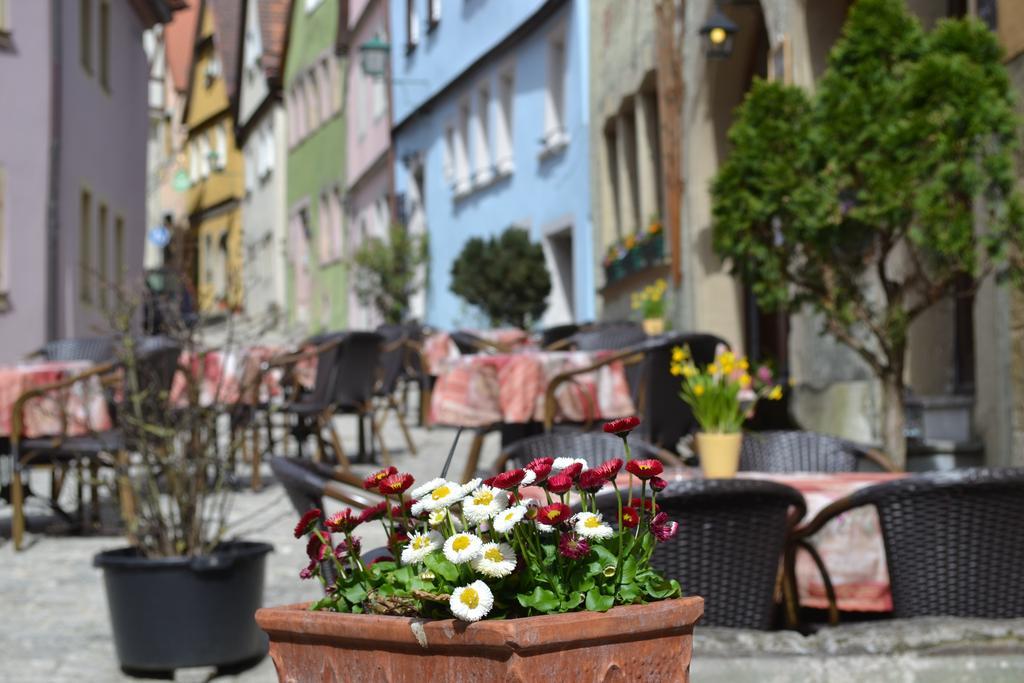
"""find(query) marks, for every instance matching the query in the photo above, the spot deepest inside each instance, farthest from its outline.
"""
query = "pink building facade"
(369, 136)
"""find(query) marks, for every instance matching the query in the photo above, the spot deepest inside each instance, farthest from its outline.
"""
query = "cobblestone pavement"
(54, 625)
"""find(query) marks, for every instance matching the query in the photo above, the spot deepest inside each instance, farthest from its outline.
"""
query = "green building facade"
(313, 89)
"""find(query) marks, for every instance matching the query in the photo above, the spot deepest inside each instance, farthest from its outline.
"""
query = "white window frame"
(412, 24)
(504, 152)
(312, 5)
(555, 135)
(449, 155)
(204, 155)
(222, 147)
(313, 98)
(462, 178)
(483, 172)
(251, 161)
(433, 14)
(326, 90)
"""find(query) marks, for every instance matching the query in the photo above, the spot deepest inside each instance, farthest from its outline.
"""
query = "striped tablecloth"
(483, 389)
(83, 405)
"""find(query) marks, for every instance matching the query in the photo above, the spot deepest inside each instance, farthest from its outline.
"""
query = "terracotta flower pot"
(634, 643)
(719, 454)
(654, 326)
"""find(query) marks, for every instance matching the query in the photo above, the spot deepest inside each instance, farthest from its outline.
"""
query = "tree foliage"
(860, 201)
(388, 272)
(504, 276)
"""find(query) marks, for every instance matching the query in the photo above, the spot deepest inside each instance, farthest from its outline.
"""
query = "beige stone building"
(962, 351)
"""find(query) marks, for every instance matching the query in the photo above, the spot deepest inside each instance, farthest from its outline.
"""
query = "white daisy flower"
(544, 528)
(417, 508)
(496, 560)
(561, 463)
(421, 491)
(507, 519)
(444, 494)
(420, 545)
(472, 602)
(471, 485)
(590, 525)
(462, 548)
(530, 477)
(437, 517)
(484, 503)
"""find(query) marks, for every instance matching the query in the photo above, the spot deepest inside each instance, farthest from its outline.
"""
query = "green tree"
(860, 202)
(503, 276)
(388, 272)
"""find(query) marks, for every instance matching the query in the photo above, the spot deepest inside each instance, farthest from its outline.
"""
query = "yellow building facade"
(215, 167)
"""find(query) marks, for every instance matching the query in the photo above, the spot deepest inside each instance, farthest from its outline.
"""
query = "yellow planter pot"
(654, 326)
(719, 454)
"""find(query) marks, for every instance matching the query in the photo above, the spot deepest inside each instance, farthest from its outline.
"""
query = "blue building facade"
(490, 108)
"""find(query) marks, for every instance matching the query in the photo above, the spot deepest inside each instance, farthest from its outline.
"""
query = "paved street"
(54, 626)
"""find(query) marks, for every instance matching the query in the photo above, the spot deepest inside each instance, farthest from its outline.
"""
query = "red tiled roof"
(178, 37)
(273, 27)
(227, 23)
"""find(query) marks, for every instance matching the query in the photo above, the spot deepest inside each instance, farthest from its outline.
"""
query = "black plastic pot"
(181, 612)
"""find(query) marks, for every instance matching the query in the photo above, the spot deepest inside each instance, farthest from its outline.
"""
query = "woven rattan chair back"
(393, 358)
(667, 418)
(94, 349)
(953, 542)
(594, 447)
(612, 336)
(796, 451)
(357, 363)
(467, 342)
(732, 533)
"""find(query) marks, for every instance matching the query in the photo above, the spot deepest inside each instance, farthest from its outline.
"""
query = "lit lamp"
(718, 33)
(373, 56)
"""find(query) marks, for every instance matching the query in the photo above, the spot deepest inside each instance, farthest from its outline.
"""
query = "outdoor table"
(439, 346)
(227, 377)
(480, 390)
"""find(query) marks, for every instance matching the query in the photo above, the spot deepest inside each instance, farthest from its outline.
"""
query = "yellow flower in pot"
(651, 302)
(722, 395)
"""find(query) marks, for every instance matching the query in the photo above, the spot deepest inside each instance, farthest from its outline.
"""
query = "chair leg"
(343, 461)
(94, 492)
(401, 423)
(18, 505)
(474, 455)
(376, 431)
(57, 481)
(257, 459)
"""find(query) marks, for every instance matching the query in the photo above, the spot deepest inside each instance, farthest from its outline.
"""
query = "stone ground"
(54, 626)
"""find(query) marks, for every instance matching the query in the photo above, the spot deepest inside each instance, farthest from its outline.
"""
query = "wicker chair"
(307, 483)
(595, 447)
(796, 451)
(95, 349)
(953, 542)
(732, 534)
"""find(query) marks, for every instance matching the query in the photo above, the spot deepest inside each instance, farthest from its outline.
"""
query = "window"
(204, 155)
(102, 274)
(481, 138)
(84, 247)
(269, 150)
(105, 44)
(433, 14)
(301, 127)
(611, 167)
(462, 151)
(5, 17)
(299, 252)
(503, 123)
(119, 252)
(337, 224)
(85, 34)
(193, 161)
(412, 24)
(221, 161)
(324, 231)
(326, 92)
(251, 162)
(378, 96)
(449, 155)
(312, 101)
(312, 4)
(554, 95)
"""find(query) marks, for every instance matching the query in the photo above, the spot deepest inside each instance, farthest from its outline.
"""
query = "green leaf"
(604, 556)
(540, 599)
(659, 588)
(573, 601)
(599, 603)
(439, 564)
(629, 592)
(628, 570)
(355, 594)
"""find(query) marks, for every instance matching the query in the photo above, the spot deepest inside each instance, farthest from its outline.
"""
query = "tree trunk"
(894, 419)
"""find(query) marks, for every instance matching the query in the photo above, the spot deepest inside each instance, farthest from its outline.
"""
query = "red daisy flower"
(508, 480)
(309, 572)
(395, 484)
(630, 517)
(343, 522)
(307, 522)
(592, 481)
(315, 549)
(372, 481)
(663, 528)
(645, 469)
(573, 548)
(646, 503)
(380, 558)
(553, 514)
(560, 483)
(657, 483)
(375, 512)
(622, 426)
(573, 470)
(540, 467)
(609, 468)
(398, 537)
(346, 548)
